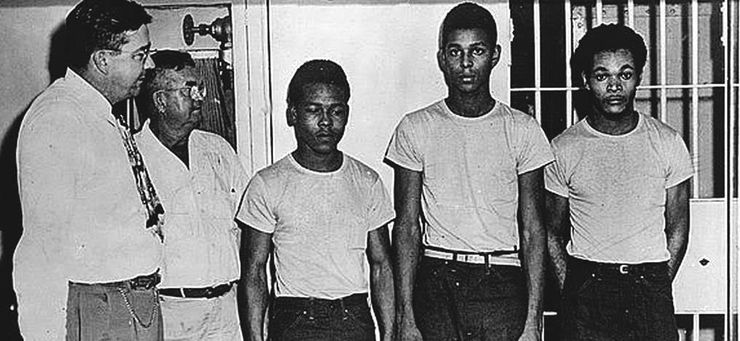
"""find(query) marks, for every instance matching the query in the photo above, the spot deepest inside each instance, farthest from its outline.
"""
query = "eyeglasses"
(195, 92)
(139, 56)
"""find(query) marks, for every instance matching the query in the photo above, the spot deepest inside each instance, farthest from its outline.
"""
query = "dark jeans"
(605, 302)
(348, 318)
(462, 301)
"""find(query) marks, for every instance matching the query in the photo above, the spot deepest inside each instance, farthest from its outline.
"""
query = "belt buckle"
(141, 283)
(624, 269)
(145, 282)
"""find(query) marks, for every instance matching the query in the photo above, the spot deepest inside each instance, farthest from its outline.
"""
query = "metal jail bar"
(730, 17)
(662, 85)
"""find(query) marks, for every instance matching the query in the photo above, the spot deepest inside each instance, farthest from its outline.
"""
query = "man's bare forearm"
(406, 250)
(381, 289)
(406, 239)
(557, 211)
(558, 258)
(677, 225)
(256, 303)
(533, 250)
(533, 237)
(254, 250)
(677, 245)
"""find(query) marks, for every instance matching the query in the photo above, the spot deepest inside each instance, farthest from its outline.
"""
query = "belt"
(351, 300)
(617, 268)
(466, 256)
(209, 292)
(144, 282)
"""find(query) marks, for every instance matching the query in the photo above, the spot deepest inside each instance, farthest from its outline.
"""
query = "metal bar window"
(569, 112)
(537, 63)
(663, 93)
(730, 25)
(678, 94)
(695, 94)
(691, 84)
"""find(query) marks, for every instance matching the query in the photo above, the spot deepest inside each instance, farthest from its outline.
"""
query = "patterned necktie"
(147, 193)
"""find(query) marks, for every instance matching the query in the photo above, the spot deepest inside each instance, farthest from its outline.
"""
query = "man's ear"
(441, 59)
(160, 101)
(100, 59)
(584, 78)
(495, 55)
(290, 115)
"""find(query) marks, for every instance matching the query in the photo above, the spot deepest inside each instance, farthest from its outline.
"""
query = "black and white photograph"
(361, 170)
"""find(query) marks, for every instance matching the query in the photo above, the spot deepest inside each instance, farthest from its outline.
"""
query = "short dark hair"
(608, 37)
(165, 60)
(317, 71)
(101, 24)
(468, 16)
(171, 60)
(157, 78)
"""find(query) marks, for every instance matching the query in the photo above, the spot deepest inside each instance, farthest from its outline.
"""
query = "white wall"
(25, 36)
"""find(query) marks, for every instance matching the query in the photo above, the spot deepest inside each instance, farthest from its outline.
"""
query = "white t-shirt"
(470, 173)
(319, 223)
(616, 188)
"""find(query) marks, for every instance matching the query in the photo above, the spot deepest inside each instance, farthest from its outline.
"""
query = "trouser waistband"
(471, 257)
(351, 300)
(617, 268)
(144, 282)
(205, 292)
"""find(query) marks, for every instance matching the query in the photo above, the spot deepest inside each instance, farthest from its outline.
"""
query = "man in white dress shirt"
(200, 181)
(91, 245)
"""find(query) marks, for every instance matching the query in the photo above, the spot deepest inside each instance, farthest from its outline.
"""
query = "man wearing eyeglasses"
(92, 244)
(200, 181)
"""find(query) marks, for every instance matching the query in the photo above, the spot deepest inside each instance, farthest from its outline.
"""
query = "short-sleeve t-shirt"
(319, 223)
(616, 188)
(470, 172)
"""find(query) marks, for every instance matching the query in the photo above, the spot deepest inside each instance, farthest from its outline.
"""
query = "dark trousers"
(347, 318)
(612, 302)
(113, 312)
(464, 302)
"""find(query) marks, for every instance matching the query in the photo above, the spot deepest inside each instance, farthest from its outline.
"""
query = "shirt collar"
(146, 136)
(90, 97)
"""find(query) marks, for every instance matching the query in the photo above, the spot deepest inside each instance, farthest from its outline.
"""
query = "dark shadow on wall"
(11, 232)
(11, 209)
(57, 62)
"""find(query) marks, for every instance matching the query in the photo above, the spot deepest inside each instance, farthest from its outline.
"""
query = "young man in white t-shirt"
(319, 212)
(468, 240)
(618, 202)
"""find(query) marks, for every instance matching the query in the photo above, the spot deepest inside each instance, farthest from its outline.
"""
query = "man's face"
(612, 81)
(183, 100)
(319, 118)
(467, 59)
(127, 66)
